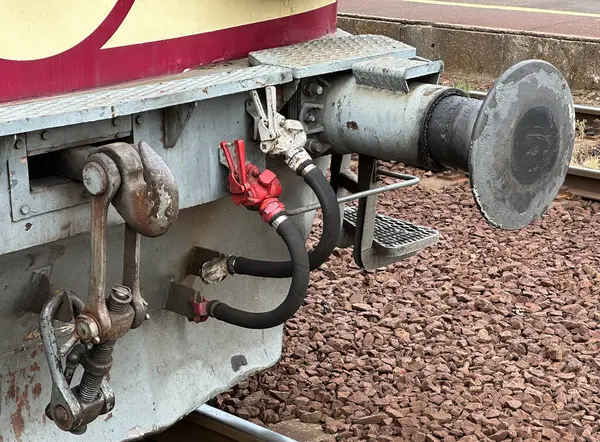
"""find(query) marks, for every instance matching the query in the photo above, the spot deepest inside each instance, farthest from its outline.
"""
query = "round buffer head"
(521, 145)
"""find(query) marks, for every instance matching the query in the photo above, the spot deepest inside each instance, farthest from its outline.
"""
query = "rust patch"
(28, 227)
(17, 423)
(34, 367)
(33, 353)
(16, 418)
(108, 417)
(12, 390)
(37, 390)
(352, 125)
(205, 90)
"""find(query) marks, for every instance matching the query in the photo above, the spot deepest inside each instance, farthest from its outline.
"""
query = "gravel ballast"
(488, 335)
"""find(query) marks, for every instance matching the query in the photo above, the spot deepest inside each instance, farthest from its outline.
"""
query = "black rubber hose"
(292, 302)
(317, 256)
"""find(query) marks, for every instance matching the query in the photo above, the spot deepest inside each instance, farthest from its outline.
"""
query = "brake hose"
(299, 271)
(320, 253)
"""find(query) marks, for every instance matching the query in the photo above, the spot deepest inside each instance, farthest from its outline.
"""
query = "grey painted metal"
(28, 197)
(392, 73)
(111, 102)
(377, 122)
(395, 237)
(235, 427)
(51, 140)
(333, 54)
(167, 367)
(175, 120)
(409, 181)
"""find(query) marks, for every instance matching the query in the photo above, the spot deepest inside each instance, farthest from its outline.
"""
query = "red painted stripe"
(86, 65)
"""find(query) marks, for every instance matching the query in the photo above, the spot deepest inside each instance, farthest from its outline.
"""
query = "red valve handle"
(249, 186)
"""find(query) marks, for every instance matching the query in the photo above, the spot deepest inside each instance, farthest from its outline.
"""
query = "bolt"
(119, 299)
(45, 135)
(310, 118)
(314, 146)
(60, 414)
(19, 144)
(94, 178)
(139, 119)
(116, 121)
(24, 210)
(313, 88)
(100, 355)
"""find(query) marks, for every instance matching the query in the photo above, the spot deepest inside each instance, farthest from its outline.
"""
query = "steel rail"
(233, 427)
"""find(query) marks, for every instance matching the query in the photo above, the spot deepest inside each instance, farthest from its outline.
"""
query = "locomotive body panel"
(64, 47)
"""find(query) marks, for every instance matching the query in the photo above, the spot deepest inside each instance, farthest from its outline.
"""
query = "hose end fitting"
(200, 309)
(215, 270)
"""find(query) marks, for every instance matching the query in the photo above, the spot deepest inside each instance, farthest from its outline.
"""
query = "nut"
(87, 329)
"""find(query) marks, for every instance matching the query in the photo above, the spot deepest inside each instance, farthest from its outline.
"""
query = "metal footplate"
(332, 54)
(394, 239)
(377, 240)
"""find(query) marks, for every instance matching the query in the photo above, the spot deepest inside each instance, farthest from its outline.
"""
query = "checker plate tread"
(395, 237)
(331, 54)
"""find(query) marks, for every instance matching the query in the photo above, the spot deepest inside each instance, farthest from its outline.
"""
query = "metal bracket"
(175, 119)
(393, 73)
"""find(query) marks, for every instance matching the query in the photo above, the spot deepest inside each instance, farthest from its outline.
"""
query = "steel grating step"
(394, 237)
(333, 54)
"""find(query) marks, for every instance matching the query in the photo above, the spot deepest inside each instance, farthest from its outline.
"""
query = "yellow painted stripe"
(507, 8)
(154, 20)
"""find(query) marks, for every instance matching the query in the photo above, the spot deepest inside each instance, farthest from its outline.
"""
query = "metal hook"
(148, 199)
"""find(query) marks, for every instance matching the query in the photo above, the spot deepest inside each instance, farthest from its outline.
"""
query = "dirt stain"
(352, 125)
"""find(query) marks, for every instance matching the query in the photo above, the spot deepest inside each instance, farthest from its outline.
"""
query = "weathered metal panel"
(194, 162)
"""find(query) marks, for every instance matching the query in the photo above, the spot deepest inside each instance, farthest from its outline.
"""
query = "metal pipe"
(410, 181)
(234, 427)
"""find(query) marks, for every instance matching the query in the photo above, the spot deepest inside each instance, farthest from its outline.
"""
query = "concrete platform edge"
(487, 51)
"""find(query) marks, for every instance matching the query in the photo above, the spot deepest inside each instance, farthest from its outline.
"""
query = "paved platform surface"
(563, 17)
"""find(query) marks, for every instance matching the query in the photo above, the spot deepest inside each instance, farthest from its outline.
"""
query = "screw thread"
(89, 387)
(90, 383)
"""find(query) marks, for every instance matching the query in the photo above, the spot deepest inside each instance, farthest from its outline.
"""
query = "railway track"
(211, 424)
(580, 181)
